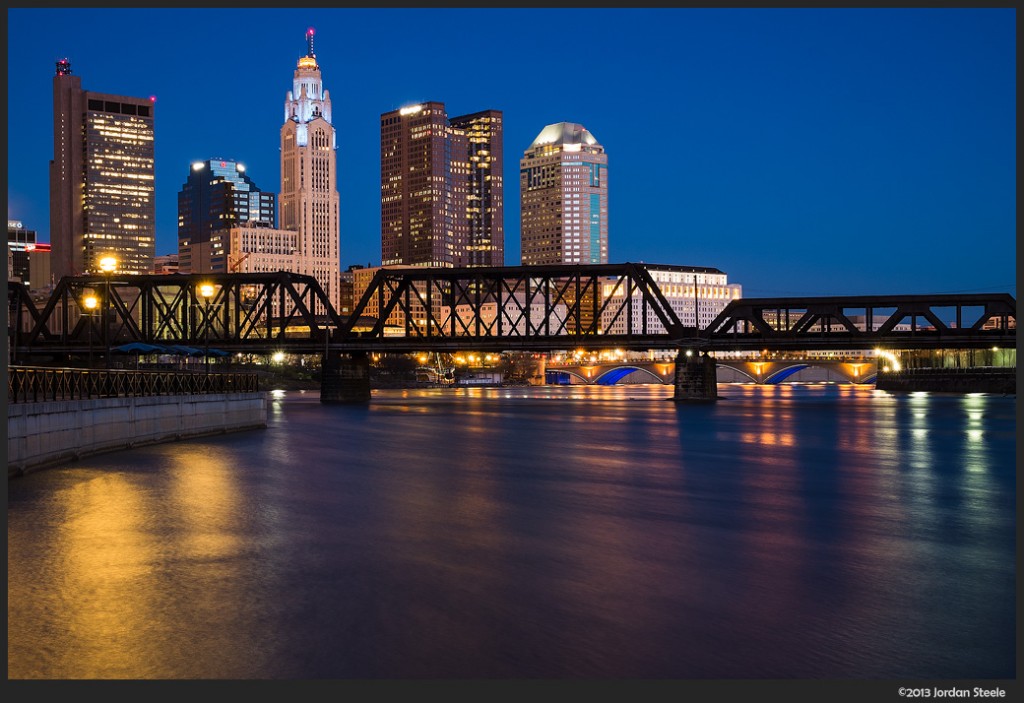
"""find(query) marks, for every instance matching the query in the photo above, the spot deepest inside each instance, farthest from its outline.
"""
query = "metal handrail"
(34, 384)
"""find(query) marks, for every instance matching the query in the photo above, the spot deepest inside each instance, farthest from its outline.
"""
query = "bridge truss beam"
(527, 308)
(890, 321)
(253, 312)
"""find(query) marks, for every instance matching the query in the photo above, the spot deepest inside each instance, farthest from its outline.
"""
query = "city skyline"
(799, 151)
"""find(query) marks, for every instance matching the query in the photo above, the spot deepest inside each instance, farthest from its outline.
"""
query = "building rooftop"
(565, 133)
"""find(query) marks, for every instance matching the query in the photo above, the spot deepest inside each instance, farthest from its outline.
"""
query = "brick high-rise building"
(563, 181)
(441, 187)
(101, 179)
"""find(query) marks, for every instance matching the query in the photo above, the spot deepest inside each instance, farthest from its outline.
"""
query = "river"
(786, 532)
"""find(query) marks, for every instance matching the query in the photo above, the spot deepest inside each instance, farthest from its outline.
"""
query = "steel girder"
(891, 321)
(529, 308)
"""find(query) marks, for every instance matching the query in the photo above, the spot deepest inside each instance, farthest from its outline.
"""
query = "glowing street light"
(206, 290)
(107, 264)
(91, 303)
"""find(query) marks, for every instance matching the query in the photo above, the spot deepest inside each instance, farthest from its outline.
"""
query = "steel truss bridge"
(529, 308)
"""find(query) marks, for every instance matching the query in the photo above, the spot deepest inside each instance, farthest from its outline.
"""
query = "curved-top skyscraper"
(563, 183)
(309, 191)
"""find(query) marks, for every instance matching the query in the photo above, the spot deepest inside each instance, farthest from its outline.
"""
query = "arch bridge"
(760, 371)
(528, 308)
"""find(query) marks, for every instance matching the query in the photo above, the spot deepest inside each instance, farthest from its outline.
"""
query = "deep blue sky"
(801, 151)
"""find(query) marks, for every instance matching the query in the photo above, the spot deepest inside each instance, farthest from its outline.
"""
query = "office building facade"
(218, 195)
(483, 202)
(102, 197)
(441, 188)
(20, 241)
(696, 294)
(563, 182)
(167, 263)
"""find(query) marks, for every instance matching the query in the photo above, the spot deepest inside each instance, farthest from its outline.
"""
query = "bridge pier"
(345, 378)
(696, 379)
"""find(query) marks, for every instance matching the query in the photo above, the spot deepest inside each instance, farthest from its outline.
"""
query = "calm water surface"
(599, 532)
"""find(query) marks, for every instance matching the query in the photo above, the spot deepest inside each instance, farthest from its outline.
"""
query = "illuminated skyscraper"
(484, 198)
(563, 181)
(101, 179)
(218, 195)
(309, 192)
(441, 187)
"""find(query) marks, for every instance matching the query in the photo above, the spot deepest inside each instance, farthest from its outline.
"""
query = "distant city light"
(278, 357)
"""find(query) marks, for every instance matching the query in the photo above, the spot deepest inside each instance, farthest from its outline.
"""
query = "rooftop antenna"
(309, 43)
(64, 67)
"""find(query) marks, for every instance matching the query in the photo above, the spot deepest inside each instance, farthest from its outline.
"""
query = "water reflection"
(810, 532)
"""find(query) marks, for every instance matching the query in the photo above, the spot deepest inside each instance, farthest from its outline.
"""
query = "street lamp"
(90, 305)
(206, 290)
(108, 264)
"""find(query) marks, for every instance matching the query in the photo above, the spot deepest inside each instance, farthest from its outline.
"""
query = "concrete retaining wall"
(49, 432)
(952, 382)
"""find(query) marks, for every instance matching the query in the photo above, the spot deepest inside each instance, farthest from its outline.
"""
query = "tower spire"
(309, 43)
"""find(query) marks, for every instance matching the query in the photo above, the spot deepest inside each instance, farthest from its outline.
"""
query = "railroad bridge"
(486, 309)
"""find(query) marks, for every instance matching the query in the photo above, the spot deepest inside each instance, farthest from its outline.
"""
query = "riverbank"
(51, 432)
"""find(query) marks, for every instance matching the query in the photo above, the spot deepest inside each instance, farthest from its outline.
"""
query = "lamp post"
(90, 305)
(206, 290)
(108, 264)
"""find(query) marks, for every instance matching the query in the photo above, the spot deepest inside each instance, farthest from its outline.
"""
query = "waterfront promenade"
(56, 415)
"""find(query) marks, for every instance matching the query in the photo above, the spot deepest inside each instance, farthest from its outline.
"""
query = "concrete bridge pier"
(345, 378)
(696, 379)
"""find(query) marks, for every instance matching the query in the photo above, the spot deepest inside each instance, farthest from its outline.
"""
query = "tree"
(519, 367)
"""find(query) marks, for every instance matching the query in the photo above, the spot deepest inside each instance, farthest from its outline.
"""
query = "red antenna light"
(309, 43)
(152, 98)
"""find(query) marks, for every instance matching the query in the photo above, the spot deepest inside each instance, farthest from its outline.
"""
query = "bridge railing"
(29, 384)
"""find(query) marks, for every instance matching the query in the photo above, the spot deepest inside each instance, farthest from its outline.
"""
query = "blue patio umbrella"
(137, 348)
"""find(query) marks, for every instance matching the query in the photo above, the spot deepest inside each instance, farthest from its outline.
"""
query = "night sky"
(801, 151)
